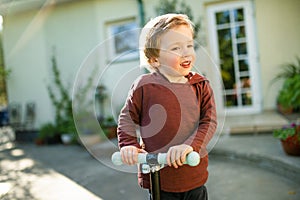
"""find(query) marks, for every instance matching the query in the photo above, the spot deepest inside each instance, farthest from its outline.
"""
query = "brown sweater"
(169, 114)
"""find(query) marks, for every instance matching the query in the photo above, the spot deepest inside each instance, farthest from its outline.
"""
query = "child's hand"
(176, 155)
(129, 154)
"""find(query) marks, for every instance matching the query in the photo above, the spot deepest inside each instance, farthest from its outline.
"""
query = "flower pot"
(284, 110)
(39, 141)
(291, 146)
(66, 138)
(111, 132)
(53, 139)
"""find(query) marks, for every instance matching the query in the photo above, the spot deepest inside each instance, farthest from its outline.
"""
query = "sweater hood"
(195, 78)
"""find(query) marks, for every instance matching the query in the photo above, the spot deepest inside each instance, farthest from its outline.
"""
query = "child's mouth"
(186, 64)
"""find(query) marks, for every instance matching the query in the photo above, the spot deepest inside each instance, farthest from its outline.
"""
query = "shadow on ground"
(18, 173)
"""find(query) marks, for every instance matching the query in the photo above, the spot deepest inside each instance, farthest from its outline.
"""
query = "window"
(123, 40)
(233, 44)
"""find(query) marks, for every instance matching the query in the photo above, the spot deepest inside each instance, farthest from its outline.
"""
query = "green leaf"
(284, 133)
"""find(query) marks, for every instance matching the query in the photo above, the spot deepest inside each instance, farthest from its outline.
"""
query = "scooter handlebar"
(192, 159)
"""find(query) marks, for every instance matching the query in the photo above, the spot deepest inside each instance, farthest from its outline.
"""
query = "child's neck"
(176, 79)
(173, 79)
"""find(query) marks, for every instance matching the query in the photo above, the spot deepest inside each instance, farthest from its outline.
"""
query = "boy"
(172, 107)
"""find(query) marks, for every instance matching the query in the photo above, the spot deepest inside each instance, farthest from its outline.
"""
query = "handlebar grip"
(117, 160)
(192, 159)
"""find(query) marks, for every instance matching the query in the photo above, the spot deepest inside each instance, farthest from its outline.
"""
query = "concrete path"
(241, 168)
(24, 176)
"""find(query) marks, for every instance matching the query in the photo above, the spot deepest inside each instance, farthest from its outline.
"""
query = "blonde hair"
(152, 32)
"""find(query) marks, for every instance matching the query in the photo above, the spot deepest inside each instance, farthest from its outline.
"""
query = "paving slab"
(255, 123)
(263, 150)
(234, 180)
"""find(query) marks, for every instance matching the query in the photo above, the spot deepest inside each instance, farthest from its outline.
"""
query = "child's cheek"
(174, 61)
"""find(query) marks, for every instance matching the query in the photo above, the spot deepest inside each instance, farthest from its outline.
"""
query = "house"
(247, 39)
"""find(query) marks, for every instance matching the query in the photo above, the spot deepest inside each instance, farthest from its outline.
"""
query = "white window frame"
(251, 52)
(130, 34)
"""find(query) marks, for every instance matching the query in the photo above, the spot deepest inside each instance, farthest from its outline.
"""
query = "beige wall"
(76, 29)
(73, 30)
(25, 54)
(278, 31)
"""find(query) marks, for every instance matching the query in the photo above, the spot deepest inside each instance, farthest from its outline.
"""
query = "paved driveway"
(61, 172)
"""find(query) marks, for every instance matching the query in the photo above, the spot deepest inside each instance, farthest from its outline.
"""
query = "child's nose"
(186, 52)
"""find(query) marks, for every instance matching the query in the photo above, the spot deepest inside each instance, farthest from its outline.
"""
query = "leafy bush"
(289, 95)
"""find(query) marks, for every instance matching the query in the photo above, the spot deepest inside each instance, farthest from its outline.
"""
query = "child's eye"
(175, 48)
(190, 46)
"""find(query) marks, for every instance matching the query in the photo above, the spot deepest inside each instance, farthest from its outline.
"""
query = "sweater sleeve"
(129, 119)
(207, 121)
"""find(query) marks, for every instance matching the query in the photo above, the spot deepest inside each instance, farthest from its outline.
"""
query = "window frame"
(251, 52)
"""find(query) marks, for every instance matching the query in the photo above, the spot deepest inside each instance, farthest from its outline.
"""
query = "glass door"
(233, 46)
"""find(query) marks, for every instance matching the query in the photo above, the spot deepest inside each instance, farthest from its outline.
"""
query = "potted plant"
(48, 134)
(109, 127)
(62, 102)
(290, 138)
(67, 130)
(288, 99)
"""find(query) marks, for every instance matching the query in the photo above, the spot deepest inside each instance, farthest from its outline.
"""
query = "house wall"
(117, 75)
(278, 31)
(75, 31)
(70, 32)
(26, 55)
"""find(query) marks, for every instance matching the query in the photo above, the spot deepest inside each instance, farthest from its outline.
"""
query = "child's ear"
(154, 62)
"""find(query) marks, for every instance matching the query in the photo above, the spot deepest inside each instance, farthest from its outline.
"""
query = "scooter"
(153, 163)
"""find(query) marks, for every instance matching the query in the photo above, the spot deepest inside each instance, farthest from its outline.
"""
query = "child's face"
(177, 55)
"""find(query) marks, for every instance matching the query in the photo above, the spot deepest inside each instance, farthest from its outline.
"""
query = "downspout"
(142, 21)
(141, 13)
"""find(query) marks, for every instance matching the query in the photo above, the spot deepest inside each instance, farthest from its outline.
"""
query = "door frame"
(252, 52)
